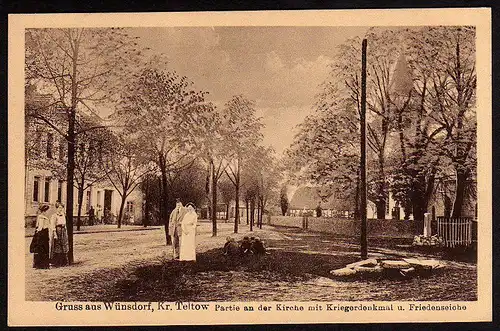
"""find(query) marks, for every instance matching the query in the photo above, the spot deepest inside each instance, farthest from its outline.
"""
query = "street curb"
(102, 231)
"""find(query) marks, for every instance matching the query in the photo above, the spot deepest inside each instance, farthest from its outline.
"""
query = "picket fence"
(455, 231)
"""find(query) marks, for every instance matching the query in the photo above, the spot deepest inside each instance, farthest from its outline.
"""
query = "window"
(38, 139)
(130, 207)
(62, 143)
(89, 196)
(50, 144)
(46, 197)
(59, 190)
(36, 188)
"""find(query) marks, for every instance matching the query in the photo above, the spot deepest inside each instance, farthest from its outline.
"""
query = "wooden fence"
(455, 231)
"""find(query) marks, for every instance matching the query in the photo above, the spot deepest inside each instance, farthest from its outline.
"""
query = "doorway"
(108, 195)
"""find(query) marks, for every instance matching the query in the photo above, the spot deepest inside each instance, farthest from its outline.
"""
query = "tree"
(187, 184)
(425, 104)
(150, 186)
(345, 84)
(325, 150)
(226, 189)
(215, 155)
(125, 169)
(169, 120)
(270, 176)
(242, 133)
(81, 69)
(452, 97)
(283, 200)
(92, 146)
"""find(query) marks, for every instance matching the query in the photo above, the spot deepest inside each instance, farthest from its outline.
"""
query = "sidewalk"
(102, 228)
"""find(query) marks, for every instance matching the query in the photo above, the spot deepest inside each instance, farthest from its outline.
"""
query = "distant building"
(306, 200)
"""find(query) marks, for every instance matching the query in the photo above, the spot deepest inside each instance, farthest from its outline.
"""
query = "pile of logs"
(428, 240)
(388, 268)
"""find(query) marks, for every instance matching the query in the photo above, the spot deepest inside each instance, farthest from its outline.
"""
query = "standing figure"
(99, 213)
(91, 215)
(188, 240)
(41, 256)
(60, 247)
(175, 226)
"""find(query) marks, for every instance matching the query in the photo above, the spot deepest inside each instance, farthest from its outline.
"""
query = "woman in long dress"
(42, 247)
(60, 247)
(188, 239)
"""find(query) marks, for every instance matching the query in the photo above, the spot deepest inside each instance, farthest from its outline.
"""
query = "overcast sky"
(279, 68)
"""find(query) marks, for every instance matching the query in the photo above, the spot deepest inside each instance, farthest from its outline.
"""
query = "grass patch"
(174, 280)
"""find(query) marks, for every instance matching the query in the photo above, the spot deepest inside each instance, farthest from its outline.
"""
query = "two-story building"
(45, 164)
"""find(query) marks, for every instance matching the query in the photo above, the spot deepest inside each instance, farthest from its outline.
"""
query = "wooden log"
(369, 270)
(391, 264)
(363, 263)
(424, 264)
(343, 272)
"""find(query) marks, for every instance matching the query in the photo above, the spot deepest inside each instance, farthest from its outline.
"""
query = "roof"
(311, 197)
(401, 82)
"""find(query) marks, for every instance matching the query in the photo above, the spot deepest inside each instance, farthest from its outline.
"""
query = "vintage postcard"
(250, 167)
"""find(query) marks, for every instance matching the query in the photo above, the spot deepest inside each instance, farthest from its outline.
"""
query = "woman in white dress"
(188, 240)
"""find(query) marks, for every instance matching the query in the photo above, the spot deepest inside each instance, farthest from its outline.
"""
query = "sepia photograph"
(212, 168)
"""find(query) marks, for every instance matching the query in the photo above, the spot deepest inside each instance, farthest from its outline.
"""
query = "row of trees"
(161, 130)
(421, 120)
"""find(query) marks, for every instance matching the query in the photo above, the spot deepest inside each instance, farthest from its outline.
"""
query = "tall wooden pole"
(362, 195)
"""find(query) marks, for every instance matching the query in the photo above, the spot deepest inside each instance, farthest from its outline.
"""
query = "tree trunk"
(261, 212)
(408, 210)
(80, 202)
(237, 199)
(246, 209)
(164, 200)
(356, 199)
(252, 213)
(71, 154)
(145, 221)
(214, 203)
(447, 206)
(69, 185)
(458, 203)
(380, 205)
(258, 211)
(418, 216)
(120, 214)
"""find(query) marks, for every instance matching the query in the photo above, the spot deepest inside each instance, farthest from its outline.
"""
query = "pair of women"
(51, 238)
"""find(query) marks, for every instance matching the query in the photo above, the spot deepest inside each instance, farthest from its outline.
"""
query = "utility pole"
(362, 195)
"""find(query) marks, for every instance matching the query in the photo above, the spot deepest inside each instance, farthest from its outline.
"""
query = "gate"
(455, 231)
